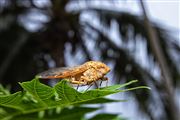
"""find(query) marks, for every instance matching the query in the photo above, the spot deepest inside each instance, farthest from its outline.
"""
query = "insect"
(85, 74)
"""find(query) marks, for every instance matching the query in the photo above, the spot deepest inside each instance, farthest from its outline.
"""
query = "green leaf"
(4, 91)
(11, 101)
(105, 116)
(75, 113)
(41, 93)
(113, 87)
(101, 101)
(38, 97)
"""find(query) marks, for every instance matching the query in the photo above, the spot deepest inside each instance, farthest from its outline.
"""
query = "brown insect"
(85, 74)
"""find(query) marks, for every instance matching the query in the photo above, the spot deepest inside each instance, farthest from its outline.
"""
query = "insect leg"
(105, 79)
(88, 87)
(77, 82)
(77, 87)
(100, 83)
(96, 84)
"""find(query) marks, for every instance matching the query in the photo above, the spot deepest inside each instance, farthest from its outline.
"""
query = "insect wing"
(61, 72)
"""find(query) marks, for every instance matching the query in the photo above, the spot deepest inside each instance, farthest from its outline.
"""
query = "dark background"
(36, 35)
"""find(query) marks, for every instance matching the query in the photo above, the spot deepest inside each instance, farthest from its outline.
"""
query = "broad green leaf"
(100, 101)
(42, 94)
(105, 116)
(113, 87)
(38, 97)
(11, 101)
(75, 113)
(71, 96)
